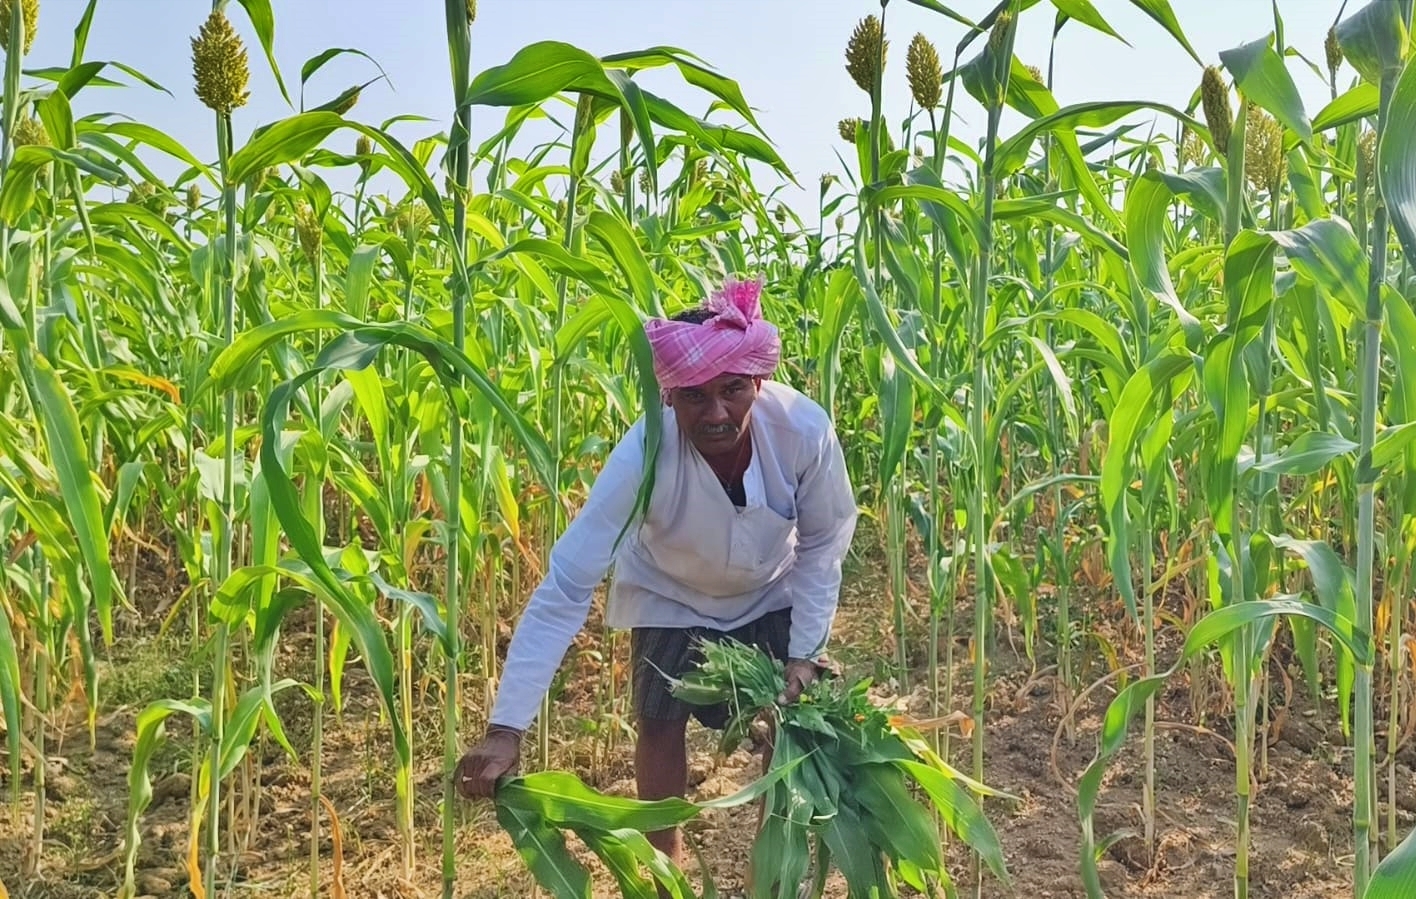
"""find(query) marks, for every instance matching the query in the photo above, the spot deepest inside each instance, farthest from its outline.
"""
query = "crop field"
(1127, 393)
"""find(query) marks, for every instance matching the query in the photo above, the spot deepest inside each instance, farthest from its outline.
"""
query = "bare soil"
(1301, 814)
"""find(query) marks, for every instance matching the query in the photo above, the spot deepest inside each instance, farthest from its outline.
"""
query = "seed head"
(309, 230)
(617, 181)
(471, 11)
(644, 182)
(30, 133)
(346, 104)
(1192, 149)
(194, 197)
(412, 218)
(781, 215)
(30, 9)
(1366, 159)
(840, 222)
(865, 52)
(219, 65)
(1036, 74)
(148, 194)
(998, 35)
(827, 180)
(923, 72)
(1333, 50)
(848, 129)
(700, 170)
(1264, 162)
(1214, 97)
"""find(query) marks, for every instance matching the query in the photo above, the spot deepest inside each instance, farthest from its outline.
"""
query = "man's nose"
(716, 411)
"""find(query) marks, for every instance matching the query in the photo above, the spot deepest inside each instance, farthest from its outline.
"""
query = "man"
(750, 516)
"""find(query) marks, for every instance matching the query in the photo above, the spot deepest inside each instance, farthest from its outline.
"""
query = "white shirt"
(695, 559)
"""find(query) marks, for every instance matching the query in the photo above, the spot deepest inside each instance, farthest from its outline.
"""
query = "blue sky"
(787, 55)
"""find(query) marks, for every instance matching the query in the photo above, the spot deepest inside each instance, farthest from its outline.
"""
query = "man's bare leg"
(661, 772)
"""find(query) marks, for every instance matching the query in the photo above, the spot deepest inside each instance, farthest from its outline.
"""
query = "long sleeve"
(826, 520)
(559, 606)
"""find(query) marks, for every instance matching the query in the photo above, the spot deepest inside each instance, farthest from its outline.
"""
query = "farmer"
(750, 515)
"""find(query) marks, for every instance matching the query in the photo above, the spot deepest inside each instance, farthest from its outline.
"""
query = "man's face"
(714, 415)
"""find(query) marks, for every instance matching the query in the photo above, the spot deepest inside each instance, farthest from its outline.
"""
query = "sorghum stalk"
(1243, 681)
(1363, 738)
(221, 73)
(459, 37)
(582, 129)
(1002, 40)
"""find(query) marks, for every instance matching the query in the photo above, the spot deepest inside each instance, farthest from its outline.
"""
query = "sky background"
(787, 56)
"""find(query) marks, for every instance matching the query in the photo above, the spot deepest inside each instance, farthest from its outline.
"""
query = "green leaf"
(881, 320)
(619, 242)
(1160, 11)
(689, 67)
(58, 119)
(1392, 442)
(1147, 202)
(263, 21)
(81, 32)
(10, 701)
(1146, 395)
(285, 141)
(1396, 160)
(64, 439)
(318, 61)
(1374, 38)
(1013, 152)
(961, 813)
(1086, 13)
(897, 414)
(544, 851)
(1395, 876)
(936, 6)
(1308, 454)
(1262, 77)
(1358, 103)
(538, 72)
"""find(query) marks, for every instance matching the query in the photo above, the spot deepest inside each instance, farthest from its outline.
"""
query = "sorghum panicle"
(1214, 98)
(219, 65)
(194, 197)
(1264, 162)
(30, 8)
(1333, 50)
(925, 75)
(30, 133)
(346, 104)
(848, 129)
(865, 52)
(309, 231)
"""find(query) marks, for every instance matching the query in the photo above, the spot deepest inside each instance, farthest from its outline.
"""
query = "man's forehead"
(721, 381)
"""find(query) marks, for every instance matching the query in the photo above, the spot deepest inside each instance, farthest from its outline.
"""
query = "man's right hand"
(497, 755)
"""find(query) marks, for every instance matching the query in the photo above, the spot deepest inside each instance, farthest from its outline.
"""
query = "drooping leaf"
(1262, 77)
(1396, 160)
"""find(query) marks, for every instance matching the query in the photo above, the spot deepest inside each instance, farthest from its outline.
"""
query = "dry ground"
(1301, 815)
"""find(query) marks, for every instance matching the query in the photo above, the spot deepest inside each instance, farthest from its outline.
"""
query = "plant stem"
(222, 560)
(1363, 741)
(459, 37)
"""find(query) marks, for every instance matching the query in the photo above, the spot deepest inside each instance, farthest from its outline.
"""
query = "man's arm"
(558, 608)
(826, 520)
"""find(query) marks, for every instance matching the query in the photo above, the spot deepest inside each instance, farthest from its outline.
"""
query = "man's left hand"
(799, 674)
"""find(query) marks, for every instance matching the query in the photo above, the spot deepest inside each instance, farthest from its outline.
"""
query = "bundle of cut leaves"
(841, 784)
(536, 810)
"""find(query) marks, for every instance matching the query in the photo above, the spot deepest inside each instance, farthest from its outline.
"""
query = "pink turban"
(736, 340)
